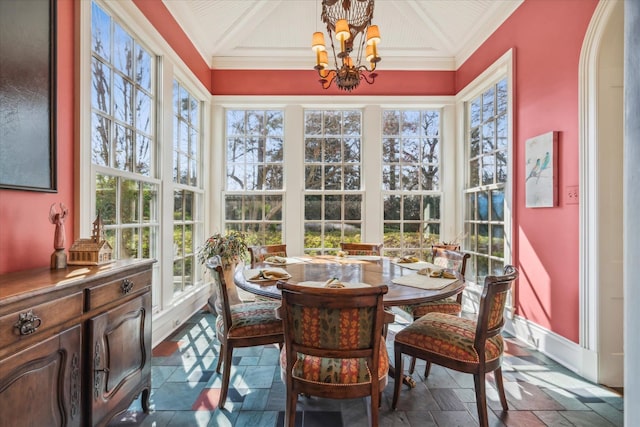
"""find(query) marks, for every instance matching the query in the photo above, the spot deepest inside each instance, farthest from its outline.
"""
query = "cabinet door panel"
(120, 340)
(40, 386)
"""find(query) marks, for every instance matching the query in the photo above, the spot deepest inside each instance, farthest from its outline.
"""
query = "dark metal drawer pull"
(127, 286)
(27, 323)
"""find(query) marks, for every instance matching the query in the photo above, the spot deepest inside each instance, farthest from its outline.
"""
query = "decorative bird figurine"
(535, 172)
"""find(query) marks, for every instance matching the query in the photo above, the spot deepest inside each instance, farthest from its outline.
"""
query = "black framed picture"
(28, 95)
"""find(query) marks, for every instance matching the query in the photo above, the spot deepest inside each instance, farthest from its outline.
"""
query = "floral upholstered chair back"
(362, 249)
(492, 304)
(348, 328)
(453, 260)
(260, 253)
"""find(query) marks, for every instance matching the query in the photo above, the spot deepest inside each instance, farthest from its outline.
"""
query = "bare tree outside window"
(411, 158)
(332, 161)
(255, 166)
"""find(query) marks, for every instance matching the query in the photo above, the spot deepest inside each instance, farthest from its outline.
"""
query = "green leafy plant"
(231, 246)
(456, 240)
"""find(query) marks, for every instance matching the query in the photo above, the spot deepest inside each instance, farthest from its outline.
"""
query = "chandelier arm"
(366, 75)
(326, 81)
(362, 68)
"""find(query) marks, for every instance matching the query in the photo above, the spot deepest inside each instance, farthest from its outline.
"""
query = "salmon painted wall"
(305, 82)
(547, 37)
(26, 235)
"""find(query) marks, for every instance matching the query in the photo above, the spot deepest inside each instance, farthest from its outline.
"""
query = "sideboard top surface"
(31, 282)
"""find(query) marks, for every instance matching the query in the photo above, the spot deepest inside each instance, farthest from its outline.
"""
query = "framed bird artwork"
(541, 186)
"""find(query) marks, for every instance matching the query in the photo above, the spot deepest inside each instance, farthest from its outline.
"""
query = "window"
(332, 163)
(254, 180)
(411, 181)
(187, 193)
(123, 138)
(487, 140)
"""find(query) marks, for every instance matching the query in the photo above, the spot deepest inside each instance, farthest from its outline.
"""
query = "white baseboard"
(580, 360)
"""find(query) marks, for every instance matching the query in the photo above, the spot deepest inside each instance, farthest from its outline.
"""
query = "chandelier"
(349, 21)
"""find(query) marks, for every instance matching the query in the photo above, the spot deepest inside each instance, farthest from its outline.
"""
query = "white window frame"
(168, 312)
(197, 190)
(500, 69)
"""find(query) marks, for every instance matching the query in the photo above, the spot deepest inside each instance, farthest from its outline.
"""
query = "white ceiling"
(276, 34)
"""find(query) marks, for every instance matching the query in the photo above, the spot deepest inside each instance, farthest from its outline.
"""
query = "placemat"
(414, 265)
(423, 282)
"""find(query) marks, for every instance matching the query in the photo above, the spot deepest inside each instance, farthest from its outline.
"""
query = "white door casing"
(601, 144)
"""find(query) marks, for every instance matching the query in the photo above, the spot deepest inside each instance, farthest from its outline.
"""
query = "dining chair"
(361, 248)
(334, 345)
(240, 325)
(259, 253)
(474, 346)
(449, 259)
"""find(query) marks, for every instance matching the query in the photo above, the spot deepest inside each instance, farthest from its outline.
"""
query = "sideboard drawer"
(33, 320)
(118, 289)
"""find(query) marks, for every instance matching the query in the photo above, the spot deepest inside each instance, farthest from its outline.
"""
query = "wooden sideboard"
(75, 344)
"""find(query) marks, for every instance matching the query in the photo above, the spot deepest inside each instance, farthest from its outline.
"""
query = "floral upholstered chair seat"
(450, 336)
(252, 319)
(335, 371)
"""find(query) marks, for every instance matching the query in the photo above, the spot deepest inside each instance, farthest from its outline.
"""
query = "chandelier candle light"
(349, 20)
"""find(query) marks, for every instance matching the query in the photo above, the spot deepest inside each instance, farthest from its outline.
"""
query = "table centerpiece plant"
(231, 246)
(232, 249)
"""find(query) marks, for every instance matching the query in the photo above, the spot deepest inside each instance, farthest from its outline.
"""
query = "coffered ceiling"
(276, 34)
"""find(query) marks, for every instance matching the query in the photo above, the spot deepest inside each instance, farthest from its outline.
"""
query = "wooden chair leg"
(290, 412)
(427, 370)
(220, 358)
(481, 398)
(226, 373)
(375, 402)
(397, 383)
(412, 365)
(500, 385)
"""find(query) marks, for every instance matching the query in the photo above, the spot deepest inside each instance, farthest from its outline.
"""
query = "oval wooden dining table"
(370, 270)
(374, 271)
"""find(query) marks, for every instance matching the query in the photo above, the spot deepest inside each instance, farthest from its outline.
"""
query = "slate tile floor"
(185, 390)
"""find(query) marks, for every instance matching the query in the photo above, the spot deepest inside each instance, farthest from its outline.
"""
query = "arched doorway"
(601, 156)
